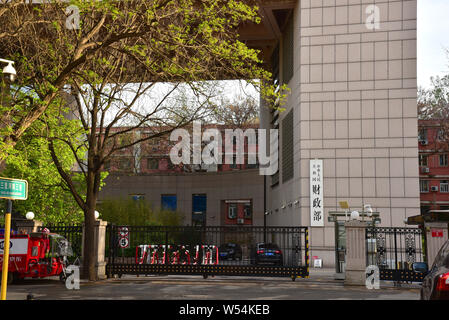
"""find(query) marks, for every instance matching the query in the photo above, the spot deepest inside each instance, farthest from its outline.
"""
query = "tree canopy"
(106, 66)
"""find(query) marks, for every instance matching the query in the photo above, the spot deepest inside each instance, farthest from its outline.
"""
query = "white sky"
(433, 39)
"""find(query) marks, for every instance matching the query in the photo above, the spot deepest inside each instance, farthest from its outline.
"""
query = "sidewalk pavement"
(321, 283)
(316, 276)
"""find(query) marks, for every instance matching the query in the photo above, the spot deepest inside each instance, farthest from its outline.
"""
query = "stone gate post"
(28, 226)
(355, 252)
(99, 247)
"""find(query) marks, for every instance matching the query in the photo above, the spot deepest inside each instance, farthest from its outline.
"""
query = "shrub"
(125, 211)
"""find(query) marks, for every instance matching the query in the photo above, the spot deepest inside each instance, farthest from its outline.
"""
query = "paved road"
(218, 288)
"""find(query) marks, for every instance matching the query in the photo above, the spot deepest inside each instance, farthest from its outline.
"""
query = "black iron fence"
(244, 250)
(395, 251)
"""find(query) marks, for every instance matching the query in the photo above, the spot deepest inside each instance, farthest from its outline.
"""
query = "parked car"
(266, 253)
(435, 285)
(230, 251)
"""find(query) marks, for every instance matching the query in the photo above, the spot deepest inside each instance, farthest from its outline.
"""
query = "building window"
(424, 185)
(234, 165)
(247, 211)
(444, 186)
(137, 197)
(422, 135)
(168, 202)
(424, 209)
(443, 160)
(251, 165)
(440, 135)
(423, 160)
(199, 207)
(153, 164)
(170, 165)
(232, 211)
(287, 52)
(287, 147)
(124, 164)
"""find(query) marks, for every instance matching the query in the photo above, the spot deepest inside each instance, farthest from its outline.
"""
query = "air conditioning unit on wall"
(425, 170)
(424, 142)
(240, 221)
(434, 188)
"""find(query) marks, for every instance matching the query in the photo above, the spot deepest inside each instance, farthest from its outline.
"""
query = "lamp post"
(265, 208)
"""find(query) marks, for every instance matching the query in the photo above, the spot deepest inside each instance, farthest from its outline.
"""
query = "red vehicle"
(36, 255)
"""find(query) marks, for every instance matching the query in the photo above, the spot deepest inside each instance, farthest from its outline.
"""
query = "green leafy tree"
(30, 159)
(112, 63)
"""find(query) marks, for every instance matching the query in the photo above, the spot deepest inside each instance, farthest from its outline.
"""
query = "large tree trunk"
(89, 223)
(89, 244)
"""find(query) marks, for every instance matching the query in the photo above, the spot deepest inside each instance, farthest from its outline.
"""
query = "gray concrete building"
(202, 195)
(351, 67)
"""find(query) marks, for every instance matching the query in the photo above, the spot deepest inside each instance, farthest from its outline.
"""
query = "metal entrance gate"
(141, 250)
(394, 251)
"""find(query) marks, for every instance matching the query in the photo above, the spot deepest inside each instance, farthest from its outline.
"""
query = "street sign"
(13, 189)
(316, 193)
(123, 233)
(123, 243)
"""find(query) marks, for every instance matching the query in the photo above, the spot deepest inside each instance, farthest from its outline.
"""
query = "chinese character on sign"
(316, 194)
(317, 216)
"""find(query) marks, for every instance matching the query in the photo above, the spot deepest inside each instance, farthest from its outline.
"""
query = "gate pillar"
(28, 226)
(100, 246)
(436, 235)
(355, 252)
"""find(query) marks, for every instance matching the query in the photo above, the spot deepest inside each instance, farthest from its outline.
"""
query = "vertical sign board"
(316, 193)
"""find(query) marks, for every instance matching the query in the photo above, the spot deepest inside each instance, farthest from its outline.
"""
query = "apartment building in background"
(220, 194)
(433, 167)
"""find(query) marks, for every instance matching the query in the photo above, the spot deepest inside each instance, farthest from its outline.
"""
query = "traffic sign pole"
(10, 189)
(6, 249)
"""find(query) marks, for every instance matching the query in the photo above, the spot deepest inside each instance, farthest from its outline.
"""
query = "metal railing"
(394, 251)
(207, 250)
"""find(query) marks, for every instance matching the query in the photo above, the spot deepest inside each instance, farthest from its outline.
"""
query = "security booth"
(434, 224)
(339, 218)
